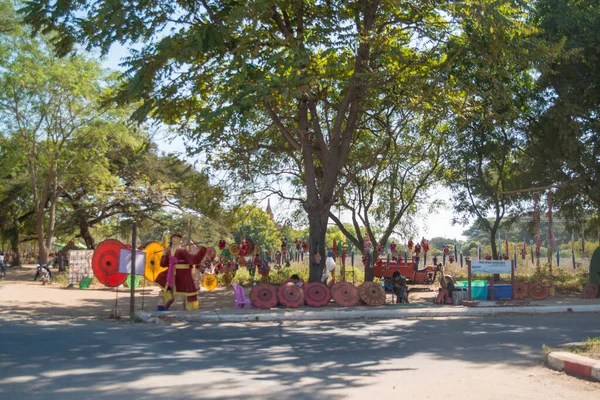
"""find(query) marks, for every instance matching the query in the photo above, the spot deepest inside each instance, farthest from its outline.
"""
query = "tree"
(384, 196)
(564, 137)
(493, 83)
(282, 85)
(255, 224)
(46, 102)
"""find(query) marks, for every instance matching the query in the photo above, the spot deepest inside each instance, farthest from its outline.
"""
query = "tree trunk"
(493, 232)
(84, 232)
(43, 252)
(317, 231)
(370, 270)
(14, 248)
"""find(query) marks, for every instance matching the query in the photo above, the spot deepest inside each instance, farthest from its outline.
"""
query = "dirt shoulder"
(21, 298)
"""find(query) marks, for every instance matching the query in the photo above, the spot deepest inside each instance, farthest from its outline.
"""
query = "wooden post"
(469, 278)
(512, 280)
(132, 277)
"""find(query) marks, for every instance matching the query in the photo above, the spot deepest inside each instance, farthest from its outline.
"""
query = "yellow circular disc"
(234, 249)
(154, 252)
(265, 279)
(227, 278)
(210, 282)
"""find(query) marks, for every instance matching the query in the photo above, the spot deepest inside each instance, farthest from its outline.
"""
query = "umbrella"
(136, 281)
(589, 292)
(316, 294)
(209, 282)
(520, 290)
(538, 291)
(154, 252)
(290, 295)
(264, 296)
(372, 294)
(85, 282)
(105, 263)
(345, 294)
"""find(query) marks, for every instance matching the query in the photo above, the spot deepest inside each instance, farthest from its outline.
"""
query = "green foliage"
(564, 140)
(253, 223)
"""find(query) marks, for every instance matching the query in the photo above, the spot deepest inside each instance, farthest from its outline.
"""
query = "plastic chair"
(240, 297)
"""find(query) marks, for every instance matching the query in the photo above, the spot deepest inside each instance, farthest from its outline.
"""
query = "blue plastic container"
(501, 291)
(479, 292)
(479, 288)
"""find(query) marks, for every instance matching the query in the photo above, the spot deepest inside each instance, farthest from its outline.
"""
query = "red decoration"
(589, 292)
(446, 250)
(538, 291)
(243, 248)
(451, 259)
(290, 295)
(410, 244)
(425, 245)
(372, 294)
(417, 249)
(345, 294)
(105, 263)
(520, 290)
(222, 244)
(316, 294)
(263, 296)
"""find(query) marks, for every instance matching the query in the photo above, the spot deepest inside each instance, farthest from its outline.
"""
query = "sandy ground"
(23, 298)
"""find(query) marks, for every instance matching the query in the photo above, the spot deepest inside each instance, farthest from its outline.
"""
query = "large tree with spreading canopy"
(274, 88)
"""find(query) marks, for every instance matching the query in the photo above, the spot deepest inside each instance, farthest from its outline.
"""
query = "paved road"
(467, 358)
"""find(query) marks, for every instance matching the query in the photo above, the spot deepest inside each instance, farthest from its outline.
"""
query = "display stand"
(491, 267)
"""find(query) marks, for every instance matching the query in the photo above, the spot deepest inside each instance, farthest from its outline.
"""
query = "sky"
(438, 224)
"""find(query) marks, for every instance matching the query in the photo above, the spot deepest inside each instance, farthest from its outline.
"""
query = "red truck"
(424, 276)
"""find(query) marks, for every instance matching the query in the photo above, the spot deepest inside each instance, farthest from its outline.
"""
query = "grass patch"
(243, 278)
(590, 348)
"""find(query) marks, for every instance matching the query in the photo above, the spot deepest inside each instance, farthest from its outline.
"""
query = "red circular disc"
(105, 263)
(538, 291)
(290, 295)
(345, 294)
(372, 294)
(316, 294)
(264, 296)
(589, 292)
(520, 290)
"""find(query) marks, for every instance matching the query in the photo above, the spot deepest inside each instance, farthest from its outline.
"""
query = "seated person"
(447, 288)
(400, 287)
(296, 279)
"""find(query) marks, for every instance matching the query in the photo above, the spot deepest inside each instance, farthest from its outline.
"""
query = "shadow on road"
(287, 360)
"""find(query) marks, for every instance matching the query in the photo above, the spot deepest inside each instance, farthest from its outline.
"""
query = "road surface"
(460, 358)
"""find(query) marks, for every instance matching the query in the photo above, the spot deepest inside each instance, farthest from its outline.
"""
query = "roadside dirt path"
(21, 298)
